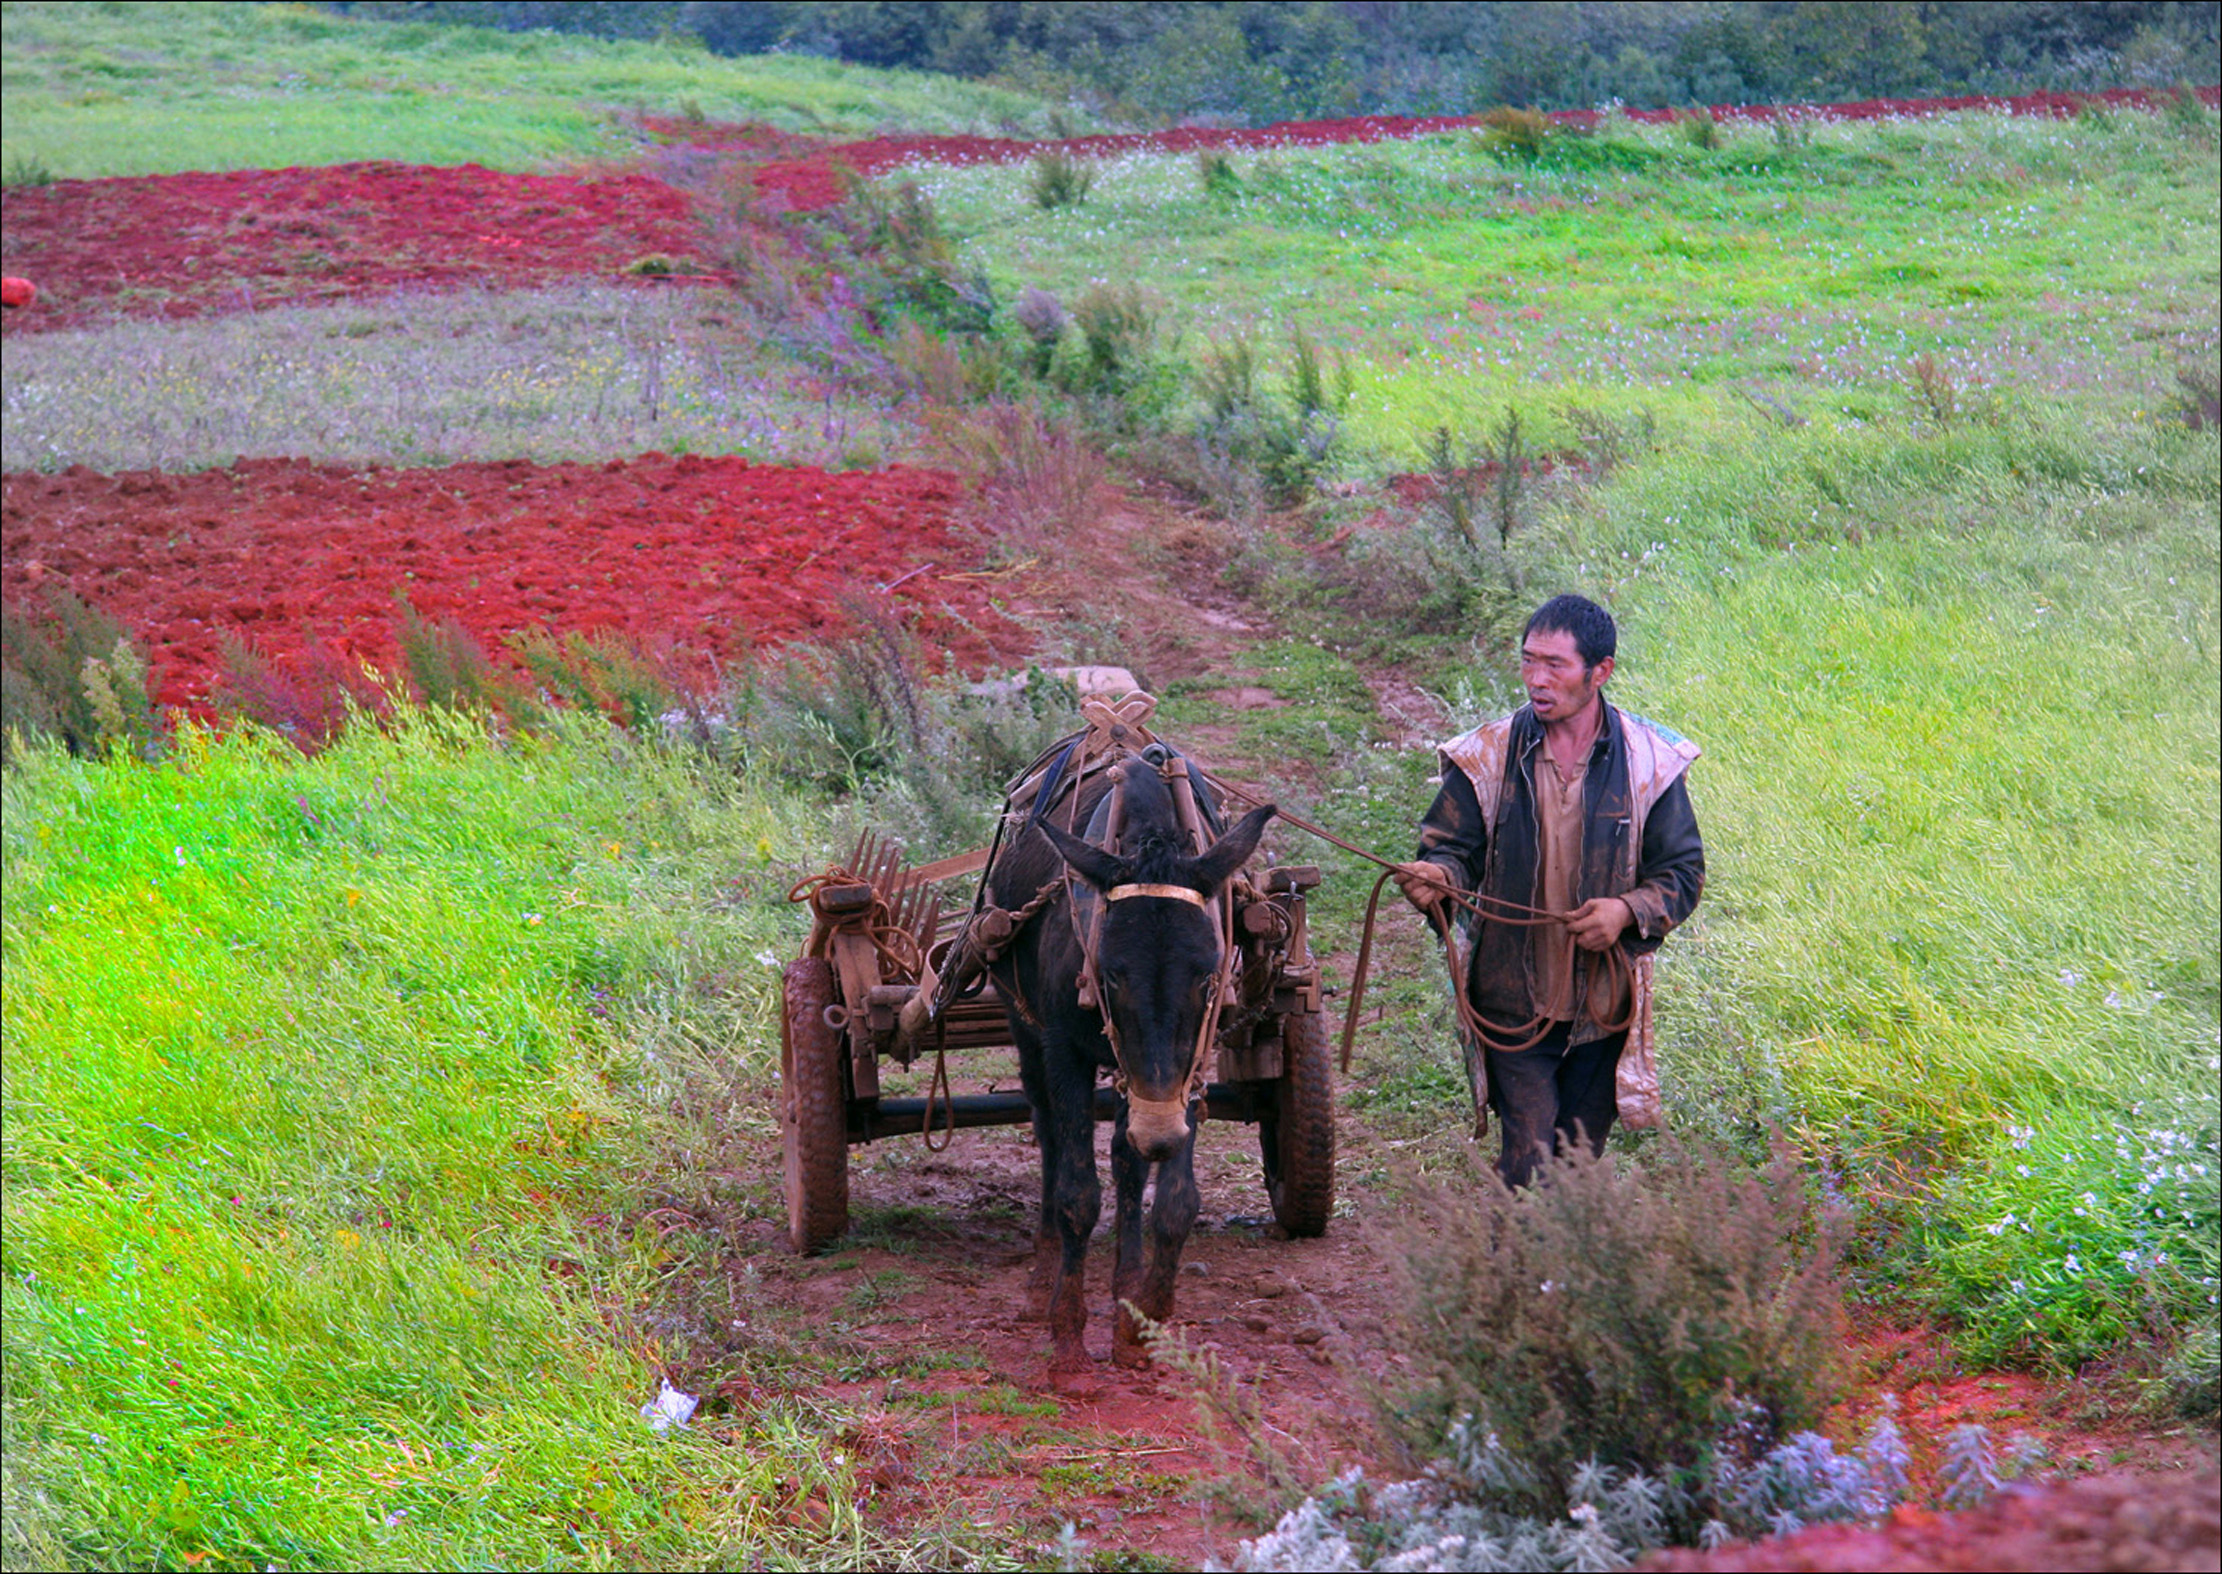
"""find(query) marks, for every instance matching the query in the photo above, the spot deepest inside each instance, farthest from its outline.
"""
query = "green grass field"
(152, 89)
(331, 1084)
(2026, 256)
(325, 1082)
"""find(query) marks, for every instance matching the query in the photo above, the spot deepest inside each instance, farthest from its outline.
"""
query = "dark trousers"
(1547, 1095)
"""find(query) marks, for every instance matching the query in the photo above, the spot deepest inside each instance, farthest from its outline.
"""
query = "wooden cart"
(878, 927)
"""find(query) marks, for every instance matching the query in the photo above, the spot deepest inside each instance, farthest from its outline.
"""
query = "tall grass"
(1959, 792)
(157, 88)
(331, 1087)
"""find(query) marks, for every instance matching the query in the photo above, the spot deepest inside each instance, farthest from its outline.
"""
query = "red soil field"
(717, 555)
(190, 245)
(193, 245)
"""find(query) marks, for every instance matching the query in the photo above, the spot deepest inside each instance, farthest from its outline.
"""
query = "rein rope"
(1484, 907)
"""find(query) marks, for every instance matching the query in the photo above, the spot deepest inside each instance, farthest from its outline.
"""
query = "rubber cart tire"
(1297, 1132)
(813, 1106)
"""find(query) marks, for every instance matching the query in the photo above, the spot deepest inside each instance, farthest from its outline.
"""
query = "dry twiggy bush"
(1653, 1317)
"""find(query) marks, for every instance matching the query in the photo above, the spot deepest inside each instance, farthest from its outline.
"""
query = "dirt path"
(962, 1427)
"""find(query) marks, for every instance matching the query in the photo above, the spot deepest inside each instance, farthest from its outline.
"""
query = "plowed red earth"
(715, 554)
(193, 245)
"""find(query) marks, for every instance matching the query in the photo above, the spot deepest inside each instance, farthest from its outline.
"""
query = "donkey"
(1156, 960)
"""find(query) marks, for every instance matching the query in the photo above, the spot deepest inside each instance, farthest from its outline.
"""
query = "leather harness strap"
(1175, 893)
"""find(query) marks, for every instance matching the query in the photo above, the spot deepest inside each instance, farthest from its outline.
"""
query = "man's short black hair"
(1595, 636)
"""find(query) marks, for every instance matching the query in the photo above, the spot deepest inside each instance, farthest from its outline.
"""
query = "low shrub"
(1517, 133)
(1672, 1319)
(1248, 441)
(1055, 179)
(1699, 129)
(69, 671)
(607, 673)
(1118, 332)
(25, 170)
(1942, 400)
(1035, 477)
(2196, 400)
(446, 665)
(866, 717)
(2187, 114)
(1217, 174)
(305, 701)
(1474, 1508)
(1043, 319)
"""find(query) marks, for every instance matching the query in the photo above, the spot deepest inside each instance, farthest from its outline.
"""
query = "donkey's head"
(1158, 952)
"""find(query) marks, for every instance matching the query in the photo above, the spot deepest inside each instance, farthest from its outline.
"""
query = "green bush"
(867, 717)
(1646, 1318)
(1055, 179)
(1217, 173)
(1517, 133)
(71, 672)
(1699, 129)
(1251, 444)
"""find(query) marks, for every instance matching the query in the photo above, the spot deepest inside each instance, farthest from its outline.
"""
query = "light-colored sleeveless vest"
(1657, 756)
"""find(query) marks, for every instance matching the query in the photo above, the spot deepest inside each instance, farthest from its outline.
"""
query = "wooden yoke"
(1116, 729)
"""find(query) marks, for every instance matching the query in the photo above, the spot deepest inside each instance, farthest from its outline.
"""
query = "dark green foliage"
(71, 672)
(1118, 328)
(1126, 377)
(305, 701)
(1217, 173)
(24, 170)
(1698, 128)
(605, 671)
(1055, 179)
(1042, 318)
(1250, 441)
(866, 716)
(2196, 400)
(2188, 114)
(1648, 1317)
(1269, 60)
(1517, 133)
(827, 282)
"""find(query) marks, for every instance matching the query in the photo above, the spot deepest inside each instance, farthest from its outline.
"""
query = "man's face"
(1559, 686)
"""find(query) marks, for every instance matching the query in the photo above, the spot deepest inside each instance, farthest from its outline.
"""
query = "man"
(1579, 809)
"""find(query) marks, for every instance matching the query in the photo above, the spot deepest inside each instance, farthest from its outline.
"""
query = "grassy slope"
(150, 89)
(2024, 254)
(324, 1081)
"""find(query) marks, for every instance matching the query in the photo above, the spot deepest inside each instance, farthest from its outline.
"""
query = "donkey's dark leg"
(1047, 1251)
(1076, 1197)
(1172, 1216)
(1129, 1170)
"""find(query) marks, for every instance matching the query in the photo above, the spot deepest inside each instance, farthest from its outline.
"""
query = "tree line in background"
(1155, 61)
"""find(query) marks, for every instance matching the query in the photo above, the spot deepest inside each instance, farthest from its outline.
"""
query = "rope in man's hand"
(1488, 909)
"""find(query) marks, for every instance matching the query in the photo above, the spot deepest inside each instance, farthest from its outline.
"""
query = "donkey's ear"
(1231, 851)
(1100, 869)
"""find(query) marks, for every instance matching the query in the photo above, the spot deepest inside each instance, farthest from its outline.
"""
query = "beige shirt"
(1558, 805)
